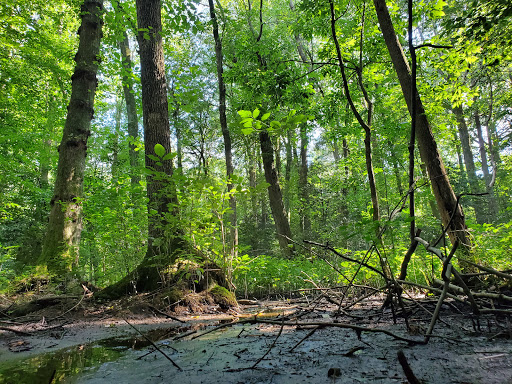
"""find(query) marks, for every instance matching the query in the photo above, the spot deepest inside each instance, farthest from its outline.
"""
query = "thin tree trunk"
(396, 170)
(344, 211)
(468, 161)
(365, 125)
(61, 245)
(117, 133)
(225, 131)
(429, 153)
(274, 195)
(305, 220)
(288, 172)
(492, 207)
(131, 106)
(460, 161)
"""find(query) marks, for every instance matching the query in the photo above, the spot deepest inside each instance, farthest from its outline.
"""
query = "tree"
(60, 248)
(451, 212)
(165, 241)
(224, 127)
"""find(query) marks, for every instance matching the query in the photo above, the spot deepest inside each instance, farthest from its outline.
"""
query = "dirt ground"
(302, 340)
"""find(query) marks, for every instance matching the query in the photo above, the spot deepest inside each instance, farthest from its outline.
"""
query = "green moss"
(223, 297)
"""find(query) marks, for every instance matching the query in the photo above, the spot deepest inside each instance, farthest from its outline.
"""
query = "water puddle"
(59, 366)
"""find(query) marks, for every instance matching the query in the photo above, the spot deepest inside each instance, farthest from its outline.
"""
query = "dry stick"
(447, 268)
(155, 346)
(432, 289)
(272, 346)
(489, 270)
(362, 263)
(416, 302)
(465, 288)
(361, 298)
(411, 378)
(166, 314)
(306, 337)
(356, 328)
(487, 295)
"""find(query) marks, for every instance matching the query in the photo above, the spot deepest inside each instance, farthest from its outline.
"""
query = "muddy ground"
(102, 343)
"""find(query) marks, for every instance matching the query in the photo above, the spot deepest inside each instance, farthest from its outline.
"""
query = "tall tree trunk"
(277, 153)
(225, 131)
(117, 133)
(492, 207)
(468, 161)
(466, 148)
(344, 210)
(61, 245)
(274, 195)
(131, 106)
(460, 161)
(163, 247)
(305, 221)
(396, 169)
(288, 172)
(443, 192)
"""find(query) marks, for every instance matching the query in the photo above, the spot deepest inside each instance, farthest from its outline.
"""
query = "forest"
(278, 148)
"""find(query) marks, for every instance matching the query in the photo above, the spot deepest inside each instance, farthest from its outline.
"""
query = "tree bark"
(429, 153)
(274, 195)
(61, 245)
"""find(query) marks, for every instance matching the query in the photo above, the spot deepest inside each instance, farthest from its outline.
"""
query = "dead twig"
(154, 345)
(358, 329)
(411, 378)
(306, 337)
(166, 314)
(272, 346)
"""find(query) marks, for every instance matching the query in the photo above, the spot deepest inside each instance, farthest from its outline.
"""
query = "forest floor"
(77, 340)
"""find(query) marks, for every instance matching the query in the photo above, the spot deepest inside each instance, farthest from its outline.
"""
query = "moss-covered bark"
(60, 248)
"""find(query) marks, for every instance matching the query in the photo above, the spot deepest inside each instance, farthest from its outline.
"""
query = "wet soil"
(95, 344)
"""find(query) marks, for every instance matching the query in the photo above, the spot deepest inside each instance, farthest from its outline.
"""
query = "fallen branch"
(357, 328)
(487, 295)
(15, 331)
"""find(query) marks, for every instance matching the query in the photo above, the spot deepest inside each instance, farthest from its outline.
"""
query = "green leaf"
(170, 156)
(159, 150)
(256, 113)
(247, 131)
(245, 113)
(265, 116)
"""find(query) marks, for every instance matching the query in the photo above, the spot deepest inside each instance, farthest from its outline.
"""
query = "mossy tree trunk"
(60, 248)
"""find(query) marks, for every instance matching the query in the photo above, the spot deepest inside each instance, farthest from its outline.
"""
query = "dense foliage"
(282, 78)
